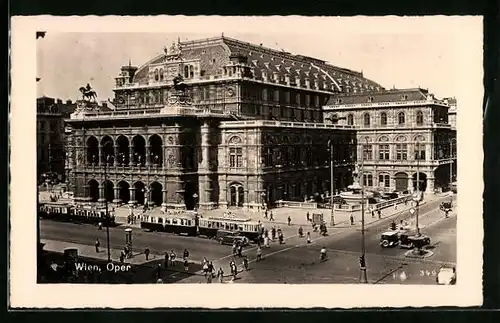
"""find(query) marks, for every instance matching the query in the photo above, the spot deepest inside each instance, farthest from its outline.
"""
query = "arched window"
(350, 120)
(156, 75)
(367, 179)
(420, 118)
(186, 71)
(235, 152)
(383, 119)
(366, 119)
(161, 74)
(401, 118)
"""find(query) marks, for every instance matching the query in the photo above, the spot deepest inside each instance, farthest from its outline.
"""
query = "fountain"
(353, 195)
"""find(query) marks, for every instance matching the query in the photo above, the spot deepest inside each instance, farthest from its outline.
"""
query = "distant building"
(452, 112)
(400, 133)
(50, 136)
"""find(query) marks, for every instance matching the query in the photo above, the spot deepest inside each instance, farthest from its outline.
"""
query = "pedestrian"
(245, 263)
(172, 258)
(308, 237)
(280, 237)
(209, 278)
(166, 259)
(97, 245)
(146, 252)
(266, 242)
(158, 271)
(301, 232)
(395, 206)
(352, 219)
(289, 220)
(273, 233)
(308, 217)
(379, 214)
(220, 274)
(186, 254)
(266, 233)
(265, 214)
(234, 249)
(373, 214)
(401, 224)
(186, 265)
(271, 218)
(99, 226)
(234, 269)
(205, 268)
(259, 254)
(240, 251)
(210, 268)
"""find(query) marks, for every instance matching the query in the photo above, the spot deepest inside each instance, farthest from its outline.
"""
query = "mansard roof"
(215, 53)
(392, 95)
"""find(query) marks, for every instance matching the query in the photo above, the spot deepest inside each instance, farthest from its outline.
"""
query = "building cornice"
(383, 105)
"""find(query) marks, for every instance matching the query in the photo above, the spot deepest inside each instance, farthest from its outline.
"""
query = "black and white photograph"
(274, 156)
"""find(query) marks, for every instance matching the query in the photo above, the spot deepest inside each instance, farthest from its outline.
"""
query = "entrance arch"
(92, 150)
(109, 191)
(189, 192)
(93, 190)
(123, 158)
(422, 178)
(124, 193)
(140, 191)
(156, 193)
(237, 195)
(401, 182)
(156, 145)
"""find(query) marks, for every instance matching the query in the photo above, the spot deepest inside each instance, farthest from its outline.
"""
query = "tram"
(65, 212)
(246, 227)
(184, 224)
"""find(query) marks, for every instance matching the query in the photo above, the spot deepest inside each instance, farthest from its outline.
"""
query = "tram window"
(240, 228)
(188, 222)
(160, 220)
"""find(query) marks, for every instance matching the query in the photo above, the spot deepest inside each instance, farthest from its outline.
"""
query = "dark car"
(230, 237)
(410, 241)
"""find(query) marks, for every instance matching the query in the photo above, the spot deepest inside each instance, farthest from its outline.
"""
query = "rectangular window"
(420, 152)
(235, 157)
(367, 152)
(401, 152)
(383, 151)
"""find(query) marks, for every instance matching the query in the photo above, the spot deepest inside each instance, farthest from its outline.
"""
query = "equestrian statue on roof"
(88, 93)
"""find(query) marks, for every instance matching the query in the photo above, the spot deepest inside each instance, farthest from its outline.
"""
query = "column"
(410, 184)
(430, 185)
(117, 194)
(132, 196)
(102, 198)
(164, 196)
(130, 154)
(222, 193)
(86, 193)
(204, 190)
(99, 150)
(148, 155)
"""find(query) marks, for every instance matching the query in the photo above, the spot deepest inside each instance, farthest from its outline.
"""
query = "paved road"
(295, 261)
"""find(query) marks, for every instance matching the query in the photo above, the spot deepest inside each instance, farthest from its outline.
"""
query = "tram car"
(55, 211)
(184, 224)
(246, 227)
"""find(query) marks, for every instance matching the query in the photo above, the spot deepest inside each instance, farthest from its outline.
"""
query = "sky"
(404, 57)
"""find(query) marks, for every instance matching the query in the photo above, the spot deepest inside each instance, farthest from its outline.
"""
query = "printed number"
(428, 273)
(434, 273)
(422, 273)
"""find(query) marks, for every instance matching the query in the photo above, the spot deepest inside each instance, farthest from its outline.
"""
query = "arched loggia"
(140, 192)
(123, 158)
(156, 193)
(109, 191)
(139, 144)
(92, 150)
(155, 148)
(107, 150)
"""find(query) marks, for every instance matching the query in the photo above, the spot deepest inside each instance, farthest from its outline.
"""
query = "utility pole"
(362, 260)
(330, 147)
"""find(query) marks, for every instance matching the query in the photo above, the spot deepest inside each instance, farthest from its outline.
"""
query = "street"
(295, 261)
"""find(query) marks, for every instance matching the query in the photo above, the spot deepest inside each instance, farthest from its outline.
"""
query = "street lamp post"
(452, 159)
(108, 158)
(332, 215)
(363, 278)
(417, 197)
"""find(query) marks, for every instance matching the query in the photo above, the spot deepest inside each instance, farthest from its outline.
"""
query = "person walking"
(146, 252)
(308, 217)
(97, 245)
(245, 263)
(172, 258)
(158, 271)
(265, 214)
(273, 233)
(289, 220)
(240, 251)
(308, 237)
(99, 226)
(301, 232)
(234, 269)
(373, 214)
(220, 274)
(266, 242)
(352, 220)
(271, 217)
(186, 254)
(186, 264)
(259, 254)
(379, 214)
(166, 259)
(234, 249)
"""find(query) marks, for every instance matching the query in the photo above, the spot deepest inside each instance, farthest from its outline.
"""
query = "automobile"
(389, 196)
(389, 239)
(446, 276)
(410, 241)
(231, 237)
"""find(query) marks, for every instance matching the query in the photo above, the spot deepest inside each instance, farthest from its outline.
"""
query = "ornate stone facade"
(400, 133)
